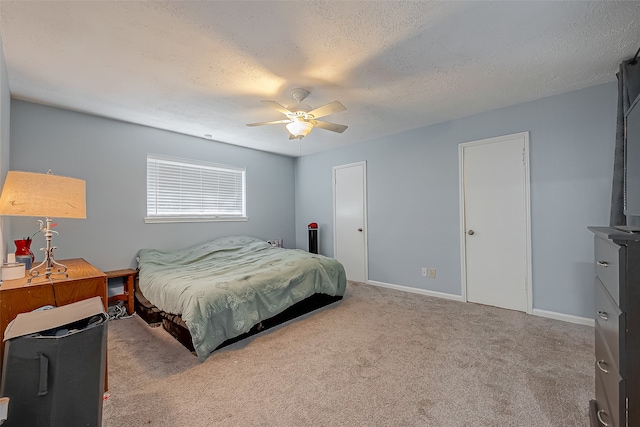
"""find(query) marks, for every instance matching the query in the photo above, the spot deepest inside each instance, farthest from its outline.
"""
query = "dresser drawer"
(604, 413)
(608, 319)
(607, 268)
(608, 378)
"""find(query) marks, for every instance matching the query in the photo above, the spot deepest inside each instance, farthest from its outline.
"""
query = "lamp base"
(49, 262)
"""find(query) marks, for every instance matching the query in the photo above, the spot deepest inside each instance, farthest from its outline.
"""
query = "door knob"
(359, 229)
(471, 232)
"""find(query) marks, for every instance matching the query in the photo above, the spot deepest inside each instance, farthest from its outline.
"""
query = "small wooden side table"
(128, 275)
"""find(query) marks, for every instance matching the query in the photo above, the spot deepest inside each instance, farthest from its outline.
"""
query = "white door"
(349, 221)
(495, 231)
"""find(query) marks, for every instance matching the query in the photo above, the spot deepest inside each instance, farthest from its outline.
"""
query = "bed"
(217, 292)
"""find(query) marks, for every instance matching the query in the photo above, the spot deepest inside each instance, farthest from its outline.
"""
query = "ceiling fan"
(301, 119)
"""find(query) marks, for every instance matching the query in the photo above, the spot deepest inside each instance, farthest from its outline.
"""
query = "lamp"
(300, 128)
(47, 195)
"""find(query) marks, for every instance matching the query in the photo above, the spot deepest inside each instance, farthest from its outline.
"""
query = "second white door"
(495, 221)
(349, 223)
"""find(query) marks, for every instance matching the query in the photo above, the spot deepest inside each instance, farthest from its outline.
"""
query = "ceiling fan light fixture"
(299, 128)
(301, 118)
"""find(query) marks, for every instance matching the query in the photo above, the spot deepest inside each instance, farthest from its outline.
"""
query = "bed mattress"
(223, 288)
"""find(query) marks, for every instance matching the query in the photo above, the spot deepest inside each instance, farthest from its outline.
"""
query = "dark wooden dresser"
(617, 328)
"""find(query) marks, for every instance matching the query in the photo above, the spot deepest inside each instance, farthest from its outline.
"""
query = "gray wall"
(111, 157)
(412, 191)
(5, 114)
(413, 195)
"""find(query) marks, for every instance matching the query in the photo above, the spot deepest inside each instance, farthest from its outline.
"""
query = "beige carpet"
(378, 358)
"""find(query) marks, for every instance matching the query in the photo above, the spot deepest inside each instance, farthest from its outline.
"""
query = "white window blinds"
(190, 190)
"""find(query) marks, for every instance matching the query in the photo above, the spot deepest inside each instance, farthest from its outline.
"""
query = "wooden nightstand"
(17, 296)
(127, 275)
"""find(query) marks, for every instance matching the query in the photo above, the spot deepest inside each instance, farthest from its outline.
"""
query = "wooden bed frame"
(174, 324)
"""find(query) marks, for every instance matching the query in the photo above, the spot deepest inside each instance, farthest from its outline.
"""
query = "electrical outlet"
(424, 271)
(432, 273)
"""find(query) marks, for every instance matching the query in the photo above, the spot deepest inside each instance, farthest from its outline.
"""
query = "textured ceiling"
(201, 68)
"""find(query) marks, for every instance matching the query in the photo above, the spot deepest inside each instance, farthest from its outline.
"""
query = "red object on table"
(23, 247)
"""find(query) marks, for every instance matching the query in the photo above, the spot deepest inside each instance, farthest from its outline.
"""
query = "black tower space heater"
(313, 238)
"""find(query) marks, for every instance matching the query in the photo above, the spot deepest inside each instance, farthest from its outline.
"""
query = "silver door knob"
(471, 232)
(359, 229)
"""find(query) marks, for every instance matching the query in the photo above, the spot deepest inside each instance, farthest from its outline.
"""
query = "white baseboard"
(536, 311)
(564, 317)
(416, 290)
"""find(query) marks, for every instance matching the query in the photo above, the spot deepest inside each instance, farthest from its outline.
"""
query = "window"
(180, 190)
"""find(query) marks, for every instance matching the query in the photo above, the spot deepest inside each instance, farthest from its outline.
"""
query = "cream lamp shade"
(300, 128)
(40, 194)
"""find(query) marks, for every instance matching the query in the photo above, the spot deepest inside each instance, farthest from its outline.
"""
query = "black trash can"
(54, 366)
(313, 238)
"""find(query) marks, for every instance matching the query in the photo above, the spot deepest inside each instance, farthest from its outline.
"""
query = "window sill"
(159, 220)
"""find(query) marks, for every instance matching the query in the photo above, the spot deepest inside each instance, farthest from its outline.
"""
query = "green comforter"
(224, 287)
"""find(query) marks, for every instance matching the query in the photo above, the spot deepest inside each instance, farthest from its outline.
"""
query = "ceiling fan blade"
(275, 122)
(334, 127)
(279, 107)
(325, 110)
